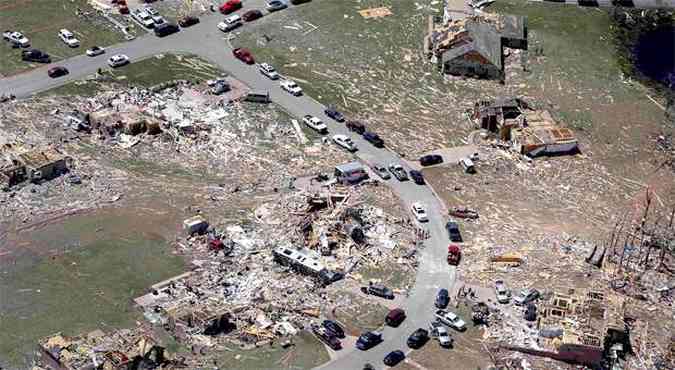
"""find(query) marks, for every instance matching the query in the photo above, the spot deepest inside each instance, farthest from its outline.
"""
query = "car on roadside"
(274, 5)
(251, 15)
(297, 2)
(417, 177)
(381, 171)
(230, 23)
(150, 10)
(502, 293)
(453, 231)
(315, 124)
(441, 334)
(368, 340)
(118, 60)
(35, 56)
(345, 142)
(16, 38)
(334, 114)
(393, 358)
(143, 17)
(395, 317)
(244, 55)
(230, 6)
(398, 171)
(269, 71)
(334, 328)
(526, 296)
(327, 337)
(95, 51)
(374, 139)
(356, 126)
(418, 338)
(166, 29)
(450, 319)
(442, 298)
(158, 20)
(188, 21)
(58, 71)
(420, 213)
(430, 160)
(378, 290)
(68, 38)
(291, 87)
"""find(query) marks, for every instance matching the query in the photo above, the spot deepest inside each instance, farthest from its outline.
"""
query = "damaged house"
(530, 132)
(474, 46)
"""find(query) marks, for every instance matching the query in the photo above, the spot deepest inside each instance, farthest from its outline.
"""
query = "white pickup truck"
(16, 38)
(450, 319)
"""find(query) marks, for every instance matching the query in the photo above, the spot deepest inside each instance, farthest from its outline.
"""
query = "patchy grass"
(80, 274)
(145, 73)
(393, 276)
(40, 21)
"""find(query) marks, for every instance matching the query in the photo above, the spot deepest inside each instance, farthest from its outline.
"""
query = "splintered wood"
(375, 12)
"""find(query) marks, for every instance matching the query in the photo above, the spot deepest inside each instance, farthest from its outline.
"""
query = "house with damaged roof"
(474, 46)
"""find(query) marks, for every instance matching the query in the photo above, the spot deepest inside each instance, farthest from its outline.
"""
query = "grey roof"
(457, 52)
(349, 167)
(513, 27)
(486, 41)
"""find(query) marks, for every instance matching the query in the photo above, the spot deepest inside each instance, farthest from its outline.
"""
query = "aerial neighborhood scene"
(337, 184)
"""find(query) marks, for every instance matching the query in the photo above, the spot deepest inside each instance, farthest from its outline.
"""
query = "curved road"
(206, 41)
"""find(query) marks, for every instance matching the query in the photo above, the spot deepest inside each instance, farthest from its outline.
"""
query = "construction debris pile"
(252, 284)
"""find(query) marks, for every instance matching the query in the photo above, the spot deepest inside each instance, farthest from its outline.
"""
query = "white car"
(94, 51)
(68, 38)
(450, 319)
(16, 38)
(269, 71)
(502, 292)
(150, 10)
(144, 18)
(420, 213)
(291, 87)
(158, 20)
(443, 337)
(230, 23)
(118, 60)
(315, 124)
(345, 142)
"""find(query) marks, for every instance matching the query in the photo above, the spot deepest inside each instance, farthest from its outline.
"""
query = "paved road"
(209, 43)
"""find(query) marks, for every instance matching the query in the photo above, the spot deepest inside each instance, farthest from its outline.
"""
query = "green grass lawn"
(102, 261)
(40, 21)
(145, 73)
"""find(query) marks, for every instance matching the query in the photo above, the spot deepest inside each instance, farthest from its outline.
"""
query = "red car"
(230, 6)
(58, 71)
(252, 15)
(244, 55)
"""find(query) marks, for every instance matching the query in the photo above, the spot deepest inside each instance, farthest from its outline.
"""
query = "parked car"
(356, 126)
(334, 114)
(530, 312)
(418, 338)
(58, 71)
(398, 171)
(467, 165)
(166, 29)
(230, 23)
(381, 171)
(345, 142)
(450, 319)
(150, 10)
(291, 87)
(158, 20)
(394, 357)
(441, 334)
(502, 292)
(327, 337)
(442, 298)
(378, 290)
(374, 139)
(395, 317)
(252, 15)
(368, 340)
(431, 159)
(269, 71)
(16, 38)
(296, 2)
(315, 124)
(230, 6)
(526, 296)
(334, 328)
(35, 55)
(118, 60)
(68, 38)
(144, 18)
(453, 231)
(417, 177)
(95, 51)
(188, 21)
(244, 55)
(420, 213)
(274, 5)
